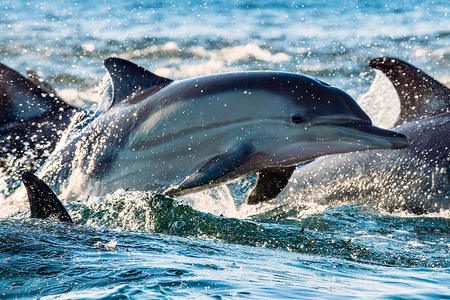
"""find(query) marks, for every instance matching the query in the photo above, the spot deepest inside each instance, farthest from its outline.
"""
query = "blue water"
(139, 245)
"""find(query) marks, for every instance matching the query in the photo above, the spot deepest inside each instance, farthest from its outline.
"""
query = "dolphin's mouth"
(375, 134)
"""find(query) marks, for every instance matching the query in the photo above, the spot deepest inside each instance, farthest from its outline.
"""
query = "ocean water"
(138, 245)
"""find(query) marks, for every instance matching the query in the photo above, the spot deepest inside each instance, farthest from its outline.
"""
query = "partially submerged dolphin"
(415, 179)
(420, 95)
(183, 136)
(32, 119)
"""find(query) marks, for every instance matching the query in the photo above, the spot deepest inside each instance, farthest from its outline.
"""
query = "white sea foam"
(152, 50)
(242, 53)
(211, 61)
(88, 47)
(381, 101)
(111, 245)
(233, 54)
(194, 70)
(87, 98)
(219, 201)
(445, 214)
(3, 187)
(434, 53)
(14, 203)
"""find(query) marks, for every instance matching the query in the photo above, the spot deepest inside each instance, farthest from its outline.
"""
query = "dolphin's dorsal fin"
(269, 184)
(128, 78)
(43, 202)
(21, 99)
(420, 95)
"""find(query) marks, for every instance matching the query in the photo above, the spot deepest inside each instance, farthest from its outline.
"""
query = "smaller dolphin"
(421, 96)
(44, 204)
(32, 119)
(415, 179)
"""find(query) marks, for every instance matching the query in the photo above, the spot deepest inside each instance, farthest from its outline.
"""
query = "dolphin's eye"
(297, 119)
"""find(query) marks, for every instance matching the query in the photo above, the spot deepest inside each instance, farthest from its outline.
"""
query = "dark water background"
(139, 245)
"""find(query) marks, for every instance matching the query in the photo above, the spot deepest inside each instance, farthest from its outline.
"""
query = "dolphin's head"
(321, 120)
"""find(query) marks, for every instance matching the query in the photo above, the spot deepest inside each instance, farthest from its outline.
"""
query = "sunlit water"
(210, 245)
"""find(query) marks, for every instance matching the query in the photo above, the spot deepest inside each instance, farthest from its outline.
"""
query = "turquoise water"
(338, 253)
(210, 245)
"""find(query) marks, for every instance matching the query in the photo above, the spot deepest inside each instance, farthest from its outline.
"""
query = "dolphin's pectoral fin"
(420, 95)
(216, 168)
(21, 99)
(43, 202)
(269, 184)
(128, 78)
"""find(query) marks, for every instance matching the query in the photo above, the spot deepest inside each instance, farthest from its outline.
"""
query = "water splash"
(381, 101)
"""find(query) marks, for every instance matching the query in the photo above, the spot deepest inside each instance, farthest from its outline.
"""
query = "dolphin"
(415, 179)
(179, 137)
(44, 204)
(32, 119)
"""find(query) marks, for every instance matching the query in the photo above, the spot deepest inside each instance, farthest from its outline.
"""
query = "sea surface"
(139, 245)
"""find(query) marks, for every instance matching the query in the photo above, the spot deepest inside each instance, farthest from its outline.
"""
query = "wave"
(205, 61)
(328, 231)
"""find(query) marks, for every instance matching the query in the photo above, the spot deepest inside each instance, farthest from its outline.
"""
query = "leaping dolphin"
(415, 179)
(179, 137)
(32, 119)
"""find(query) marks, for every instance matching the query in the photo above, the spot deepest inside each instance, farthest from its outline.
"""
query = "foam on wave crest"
(203, 61)
(381, 101)
(232, 54)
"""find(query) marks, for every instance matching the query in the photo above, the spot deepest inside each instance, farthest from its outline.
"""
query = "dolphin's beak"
(375, 137)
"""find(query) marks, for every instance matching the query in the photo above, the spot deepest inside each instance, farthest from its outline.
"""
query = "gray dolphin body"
(414, 179)
(32, 119)
(183, 136)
